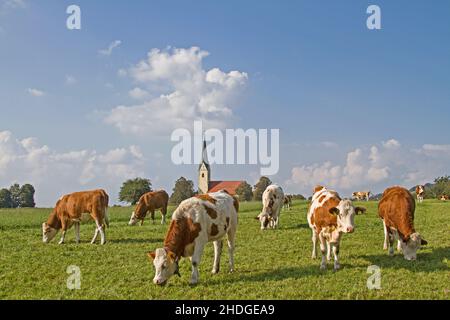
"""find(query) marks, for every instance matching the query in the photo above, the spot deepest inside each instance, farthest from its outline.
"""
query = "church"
(205, 185)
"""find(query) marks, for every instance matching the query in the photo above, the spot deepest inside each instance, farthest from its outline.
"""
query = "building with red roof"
(205, 185)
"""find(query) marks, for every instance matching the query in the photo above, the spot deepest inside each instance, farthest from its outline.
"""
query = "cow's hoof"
(385, 247)
(193, 282)
(391, 252)
(336, 267)
(328, 258)
(323, 267)
(214, 271)
(231, 270)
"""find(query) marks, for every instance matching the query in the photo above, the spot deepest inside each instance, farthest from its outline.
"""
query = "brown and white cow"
(329, 217)
(396, 208)
(273, 199)
(197, 221)
(150, 202)
(74, 208)
(443, 197)
(420, 191)
(287, 203)
(361, 195)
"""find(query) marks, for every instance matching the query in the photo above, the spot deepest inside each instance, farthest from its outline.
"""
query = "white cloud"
(36, 92)
(13, 4)
(108, 51)
(138, 94)
(186, 92)
(54, 173)
(122, 73)
(375, 168)
(70, 80)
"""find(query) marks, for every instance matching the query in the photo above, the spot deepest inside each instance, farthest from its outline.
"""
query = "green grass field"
(274, 264)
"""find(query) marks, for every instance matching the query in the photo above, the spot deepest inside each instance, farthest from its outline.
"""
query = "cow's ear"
(423, 242)
(171, 256)
(360, 210)
(151, 255)
(334, 210)
(257, 218)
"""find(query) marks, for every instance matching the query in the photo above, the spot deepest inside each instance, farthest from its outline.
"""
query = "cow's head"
(345, 213)
(265, 217)
(133, 219)
(166, 265)
(411, 245)
(48, 233)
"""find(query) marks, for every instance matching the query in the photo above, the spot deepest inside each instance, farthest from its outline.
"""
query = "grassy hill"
(275, 264)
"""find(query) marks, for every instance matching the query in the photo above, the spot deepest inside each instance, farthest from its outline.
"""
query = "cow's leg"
(95, 235)
(391, 242)
(152, 214)
(195, 259)
(230, 239)
(77, 232)
(63, 231)
(337, 266)
(323, 264)
(217, 252)
(163, 213)
(386, 236)
(328, 251)
(399, 245)
(314, 241)
(102, 232)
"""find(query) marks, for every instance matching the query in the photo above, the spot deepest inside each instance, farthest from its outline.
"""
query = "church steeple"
(204, 172)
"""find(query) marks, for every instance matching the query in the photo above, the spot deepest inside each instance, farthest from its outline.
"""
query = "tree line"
(133, 189)
(17, 196)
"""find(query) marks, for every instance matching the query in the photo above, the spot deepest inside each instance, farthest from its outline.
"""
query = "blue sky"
(356, 109)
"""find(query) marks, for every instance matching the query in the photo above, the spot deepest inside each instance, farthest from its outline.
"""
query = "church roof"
(229, 186)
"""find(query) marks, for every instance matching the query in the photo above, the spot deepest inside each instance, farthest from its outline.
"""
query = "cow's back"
(155, 199)
(319, 215)
(76, 203)
(397, 208)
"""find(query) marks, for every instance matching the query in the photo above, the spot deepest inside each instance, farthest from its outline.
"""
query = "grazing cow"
(420, 191)
(272, 198)
(74, 208)
(396, 209)
(195, 222)
(329, 217)
(150, 202)
(287, 203)
(443, 197)
(361, 195)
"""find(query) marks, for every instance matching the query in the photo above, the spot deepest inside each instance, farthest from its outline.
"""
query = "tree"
(183, 189)
(260, 187)
(440, 187)
(26, 196)
(5, 198)
(15, 195)
(244, 192)
(133, 189)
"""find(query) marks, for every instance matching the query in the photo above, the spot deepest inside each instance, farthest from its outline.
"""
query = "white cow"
(273, 200)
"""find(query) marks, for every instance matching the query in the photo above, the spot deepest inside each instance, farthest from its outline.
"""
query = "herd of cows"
(209, 217)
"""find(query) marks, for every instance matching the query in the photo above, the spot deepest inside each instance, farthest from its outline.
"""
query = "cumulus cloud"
(55, 173)
(185, 92)
(36, 92)
(13, 4)
(375, 168)
(108, 51)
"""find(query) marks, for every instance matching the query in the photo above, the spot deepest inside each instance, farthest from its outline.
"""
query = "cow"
(71, 209)
(443, 197)
(272, 198)
(361, 195)
(420, 191)
(287, 203)
(150, 202)
(197, 221)
(396, 209)
(329, 217)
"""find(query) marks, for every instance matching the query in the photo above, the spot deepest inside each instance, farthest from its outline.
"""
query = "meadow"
(272, 264)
